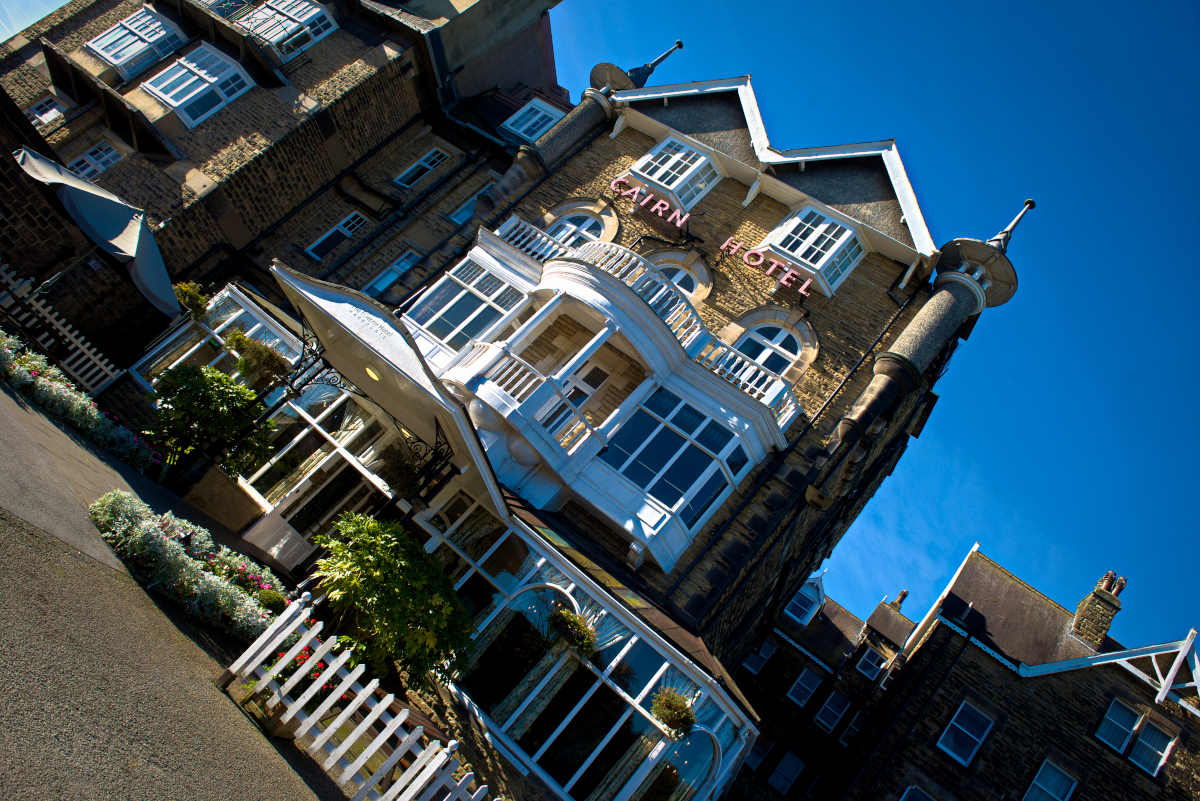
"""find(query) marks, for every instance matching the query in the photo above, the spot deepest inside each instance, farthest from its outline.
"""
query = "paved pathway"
(102, 696)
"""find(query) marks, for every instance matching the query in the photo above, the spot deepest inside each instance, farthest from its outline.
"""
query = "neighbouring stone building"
(997, 693)
(241, 125)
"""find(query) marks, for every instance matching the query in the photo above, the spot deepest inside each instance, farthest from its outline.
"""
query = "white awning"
(111, 223)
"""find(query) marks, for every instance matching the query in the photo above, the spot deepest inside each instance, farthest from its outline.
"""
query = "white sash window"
(199, 83)
(137, 42)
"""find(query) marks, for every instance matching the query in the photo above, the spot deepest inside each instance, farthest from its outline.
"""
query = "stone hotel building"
(626, 357)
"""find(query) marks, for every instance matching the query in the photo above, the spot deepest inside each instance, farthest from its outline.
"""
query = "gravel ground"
(101, 696)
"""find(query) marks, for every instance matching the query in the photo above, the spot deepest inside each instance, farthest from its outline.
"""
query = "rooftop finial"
(639, 75)
(1000, 240)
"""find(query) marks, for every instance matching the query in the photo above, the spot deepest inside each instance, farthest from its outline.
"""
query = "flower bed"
(48, 388)
(181, 560)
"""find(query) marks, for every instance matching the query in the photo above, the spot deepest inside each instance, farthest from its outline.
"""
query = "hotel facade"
(626, 357)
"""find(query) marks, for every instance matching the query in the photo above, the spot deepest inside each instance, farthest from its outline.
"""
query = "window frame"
(549, 116)
(203, 83)
(1163, 755)
(756, 661)
(910, 794)
(665, 422)
(792, 760)
(1042, 788)
(93, 165)
(395, 270)
(292, 18)
(978, 744)
(167, 39)
(852, 728)
(347, 227)
(878, 668)
(817, 719)
(571, 232)
(652, 167)
(812, 612)
(430, 161)
(804, 671)
(1129, 734)
(466, 286)
(838, 247)
(468, 204)
(53, 111)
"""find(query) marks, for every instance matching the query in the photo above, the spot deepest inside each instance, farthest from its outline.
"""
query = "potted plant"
(575, 629)
(674, 711)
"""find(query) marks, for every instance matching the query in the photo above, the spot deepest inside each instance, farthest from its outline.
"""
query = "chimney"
(899, 600)
(1096, 611)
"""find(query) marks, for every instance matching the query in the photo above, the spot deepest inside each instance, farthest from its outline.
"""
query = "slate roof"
(831, 633)
(1010, 616)
(888, 621)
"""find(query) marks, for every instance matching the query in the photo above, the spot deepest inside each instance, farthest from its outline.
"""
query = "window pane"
(682, 473)
(626, 441)
(662, 402)
(665, 444)
(454, 316)
(432, 303)
(698, 505)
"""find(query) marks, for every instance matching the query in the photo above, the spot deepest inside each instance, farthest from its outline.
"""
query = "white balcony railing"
(677, 312)
(530, 240)
(539, 397)
(671, 306)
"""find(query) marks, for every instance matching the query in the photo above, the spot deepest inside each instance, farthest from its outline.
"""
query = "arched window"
(576, 229)
(773, 346)
(681, 277)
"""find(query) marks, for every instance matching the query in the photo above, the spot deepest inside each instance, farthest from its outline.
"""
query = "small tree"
(391, 598)
(201, 407)
(192, 297)
(261, 365)
(575, 630)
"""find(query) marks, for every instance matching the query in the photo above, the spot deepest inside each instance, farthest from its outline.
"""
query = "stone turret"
(971, 276)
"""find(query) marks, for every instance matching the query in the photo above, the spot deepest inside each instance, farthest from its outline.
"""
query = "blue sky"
(1063, 440)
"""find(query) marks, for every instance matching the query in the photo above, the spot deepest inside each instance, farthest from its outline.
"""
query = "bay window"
(465, 303)
(821, 245)
(289, 26)
(682, 171)
(683, 459)
(136, 42)
(199, 84)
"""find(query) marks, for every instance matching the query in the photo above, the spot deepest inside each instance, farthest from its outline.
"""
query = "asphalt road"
(101, 696)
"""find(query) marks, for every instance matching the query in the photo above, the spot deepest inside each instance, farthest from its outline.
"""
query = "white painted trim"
(914, 219)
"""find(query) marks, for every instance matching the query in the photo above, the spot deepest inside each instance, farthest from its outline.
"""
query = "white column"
(534, 325)
(586, 352)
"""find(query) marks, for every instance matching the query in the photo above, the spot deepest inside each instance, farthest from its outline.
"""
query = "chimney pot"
(1095, 613)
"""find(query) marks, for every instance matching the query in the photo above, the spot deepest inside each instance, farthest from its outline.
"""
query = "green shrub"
(272, 600)
(673, 711)
(575, 630)
(261, 365)
(203, 407)
(192, 297)
(391, 599)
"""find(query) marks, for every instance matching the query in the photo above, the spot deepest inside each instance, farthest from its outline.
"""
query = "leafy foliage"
(192, 297)
(673, 711)
(201, 407)
(261, 365)
(575, 630)
(393, 601)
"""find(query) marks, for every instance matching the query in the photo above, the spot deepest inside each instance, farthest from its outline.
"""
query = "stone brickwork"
(764, 539)
(1051, 717)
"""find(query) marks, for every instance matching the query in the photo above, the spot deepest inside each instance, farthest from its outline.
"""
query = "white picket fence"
(88, 368)
(362, 741)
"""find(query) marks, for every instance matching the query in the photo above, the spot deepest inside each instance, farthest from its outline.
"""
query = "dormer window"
(679, 170)
(533, 120)
(804, 604)
(818, 244)
(136, 42)
(288, 26)
(199, 84)
(45, 111)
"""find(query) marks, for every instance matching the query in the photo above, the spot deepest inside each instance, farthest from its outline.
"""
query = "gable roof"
(888, 621)
(769, 155)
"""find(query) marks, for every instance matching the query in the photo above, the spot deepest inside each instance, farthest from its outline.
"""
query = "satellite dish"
(606, 74)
